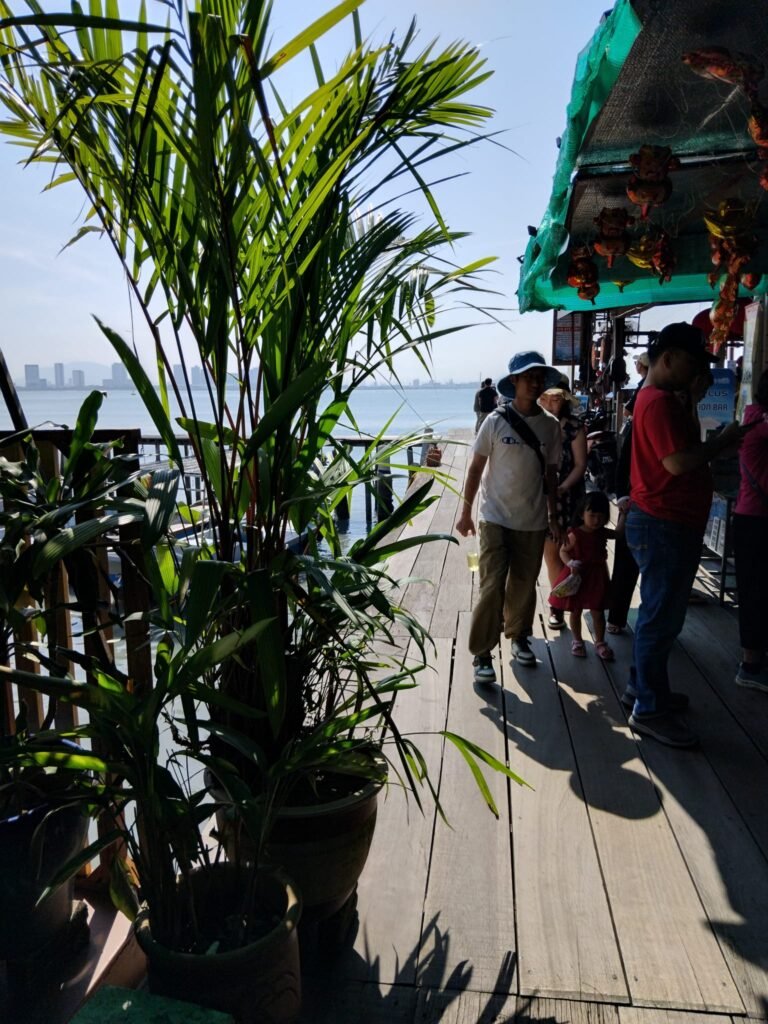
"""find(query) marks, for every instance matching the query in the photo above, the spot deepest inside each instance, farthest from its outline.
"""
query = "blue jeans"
(667, 555)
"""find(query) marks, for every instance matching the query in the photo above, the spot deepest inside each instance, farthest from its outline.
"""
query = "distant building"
(197, 377)
(78, 378)
(32, 378)
(120, 378)
(58, 374)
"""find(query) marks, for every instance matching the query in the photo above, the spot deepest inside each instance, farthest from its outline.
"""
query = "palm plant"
(267, 239)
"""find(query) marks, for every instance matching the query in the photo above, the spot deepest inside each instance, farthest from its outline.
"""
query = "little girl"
(586, 545)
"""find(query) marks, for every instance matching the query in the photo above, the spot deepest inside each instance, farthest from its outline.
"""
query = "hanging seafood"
(751, 281)
(582, 274)
(641, 252)
(732, 245)
(729, 220)
(613, 239)
(757, 126)
(650, 185)
(718, 63)
(663, 259)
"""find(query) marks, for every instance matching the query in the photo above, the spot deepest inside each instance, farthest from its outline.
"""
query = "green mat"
(126, 1006)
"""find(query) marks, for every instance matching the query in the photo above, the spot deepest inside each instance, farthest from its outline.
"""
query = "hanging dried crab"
(650, 185)
(613, 239)
(582, 274)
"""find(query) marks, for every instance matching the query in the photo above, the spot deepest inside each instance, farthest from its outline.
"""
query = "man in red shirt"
(671, 493)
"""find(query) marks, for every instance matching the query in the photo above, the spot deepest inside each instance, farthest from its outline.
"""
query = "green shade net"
(631, 88)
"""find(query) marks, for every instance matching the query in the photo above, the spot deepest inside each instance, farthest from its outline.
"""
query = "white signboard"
(716, 407)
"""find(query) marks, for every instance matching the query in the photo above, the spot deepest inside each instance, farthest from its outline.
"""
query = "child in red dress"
(585, 550)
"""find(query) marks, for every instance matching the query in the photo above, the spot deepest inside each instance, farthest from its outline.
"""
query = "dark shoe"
(677, 702)
(556, 620)
(666, 728)
(521, 651)
(753, 680)
(484, 671)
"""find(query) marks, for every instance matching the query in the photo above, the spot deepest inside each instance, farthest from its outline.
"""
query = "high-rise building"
(32, 378)
(120, 376)
(58, 374)
(78, 379)
(197, 377)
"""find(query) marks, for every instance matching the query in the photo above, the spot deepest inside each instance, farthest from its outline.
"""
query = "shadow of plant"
(351, 989)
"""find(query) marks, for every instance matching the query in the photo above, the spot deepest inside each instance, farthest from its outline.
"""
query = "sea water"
(413, 409)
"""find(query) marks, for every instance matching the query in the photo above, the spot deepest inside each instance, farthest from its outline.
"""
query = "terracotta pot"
(324, 847)
(259, 983)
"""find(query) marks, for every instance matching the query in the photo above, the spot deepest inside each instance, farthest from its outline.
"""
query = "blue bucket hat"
(527, 361)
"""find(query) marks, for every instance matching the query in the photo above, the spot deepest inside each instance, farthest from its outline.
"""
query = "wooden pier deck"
(628, 886)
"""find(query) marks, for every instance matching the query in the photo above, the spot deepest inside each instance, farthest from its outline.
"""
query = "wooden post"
(384, 496)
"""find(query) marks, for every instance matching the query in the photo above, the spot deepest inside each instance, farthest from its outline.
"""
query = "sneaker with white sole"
(753, 680)
(665, 728)
(484, 671)
(521, 652)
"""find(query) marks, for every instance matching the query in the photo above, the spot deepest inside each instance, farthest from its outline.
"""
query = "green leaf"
(160, 506)
(144, 386)
(309, 36)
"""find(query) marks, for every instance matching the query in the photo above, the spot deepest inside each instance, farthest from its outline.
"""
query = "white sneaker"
(484, 671)
(753, 680)
(521, 651)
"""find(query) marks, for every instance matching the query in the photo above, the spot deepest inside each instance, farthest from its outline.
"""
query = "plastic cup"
(473, 561)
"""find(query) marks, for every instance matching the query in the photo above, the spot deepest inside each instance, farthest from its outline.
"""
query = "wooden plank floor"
(628, 886)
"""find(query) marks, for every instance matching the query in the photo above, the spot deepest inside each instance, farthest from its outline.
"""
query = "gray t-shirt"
(511, 489)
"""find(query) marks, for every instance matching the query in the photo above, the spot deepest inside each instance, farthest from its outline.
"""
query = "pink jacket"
(753, 462)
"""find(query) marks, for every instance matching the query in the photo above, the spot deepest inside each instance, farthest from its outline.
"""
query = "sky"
(48, 297)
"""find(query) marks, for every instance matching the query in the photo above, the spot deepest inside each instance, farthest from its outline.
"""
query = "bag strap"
(755, 485)
(527, 436)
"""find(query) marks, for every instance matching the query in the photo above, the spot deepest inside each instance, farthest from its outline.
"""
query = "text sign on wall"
(568, 336)
(716, 407)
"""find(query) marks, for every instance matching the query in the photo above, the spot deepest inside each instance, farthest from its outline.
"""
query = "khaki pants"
(510, 562)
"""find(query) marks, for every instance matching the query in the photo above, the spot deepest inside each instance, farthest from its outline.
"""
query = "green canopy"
(632, 88)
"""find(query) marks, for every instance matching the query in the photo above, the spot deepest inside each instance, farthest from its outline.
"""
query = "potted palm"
(265, 238)
(46, 779)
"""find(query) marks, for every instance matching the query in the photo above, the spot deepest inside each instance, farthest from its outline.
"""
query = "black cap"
(681, 336)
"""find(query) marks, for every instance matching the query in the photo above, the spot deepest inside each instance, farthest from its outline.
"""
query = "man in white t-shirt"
(515, 458)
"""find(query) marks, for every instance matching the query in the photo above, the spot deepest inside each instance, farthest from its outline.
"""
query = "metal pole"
(10, 396)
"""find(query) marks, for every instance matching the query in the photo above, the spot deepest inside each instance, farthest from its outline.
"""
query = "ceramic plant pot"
(258, 983)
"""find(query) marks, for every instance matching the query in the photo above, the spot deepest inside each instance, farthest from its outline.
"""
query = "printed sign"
(570, 332)
(754, 355)
(716, 407)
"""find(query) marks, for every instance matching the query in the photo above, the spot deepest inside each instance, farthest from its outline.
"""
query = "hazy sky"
(47, 297)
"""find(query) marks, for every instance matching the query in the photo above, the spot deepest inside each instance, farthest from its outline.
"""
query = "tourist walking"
(516, 451)
(585, 555)
(750, 543)
(486, 401)
(671, 493)
(570, 486)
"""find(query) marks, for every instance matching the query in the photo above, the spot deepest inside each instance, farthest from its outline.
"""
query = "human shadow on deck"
(542, 729)
(571, 721)
(349, 987)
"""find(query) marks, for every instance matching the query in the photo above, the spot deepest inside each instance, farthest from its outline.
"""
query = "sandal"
(603, 651)
(614, 630)
(578, 650)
